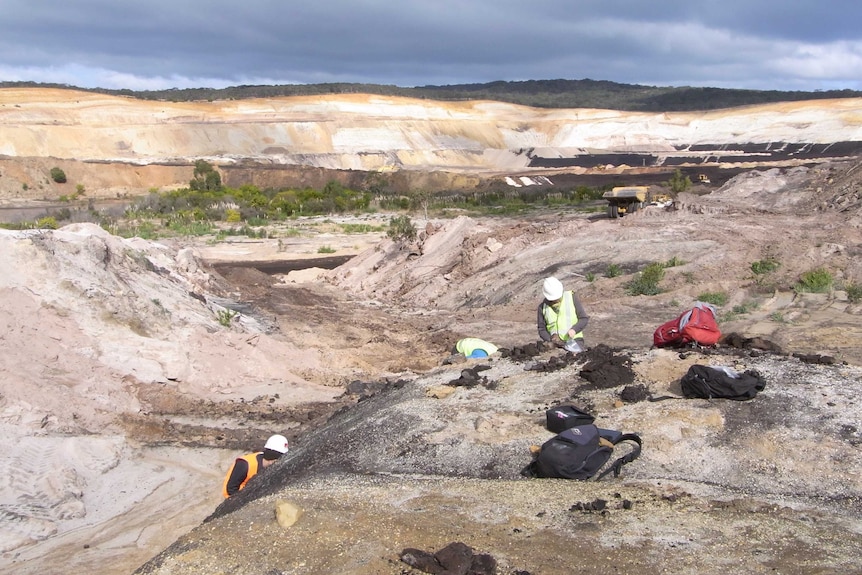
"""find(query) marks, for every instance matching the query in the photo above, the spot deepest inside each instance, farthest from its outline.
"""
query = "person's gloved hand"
(557, 341)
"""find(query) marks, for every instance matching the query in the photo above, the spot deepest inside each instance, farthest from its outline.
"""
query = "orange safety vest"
(251, 459)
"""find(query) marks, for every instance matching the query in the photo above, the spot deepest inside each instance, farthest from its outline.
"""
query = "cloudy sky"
(157, 44)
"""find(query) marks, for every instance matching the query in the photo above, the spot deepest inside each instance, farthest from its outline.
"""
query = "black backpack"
(580, 452)
(707, 382)
(563, 417)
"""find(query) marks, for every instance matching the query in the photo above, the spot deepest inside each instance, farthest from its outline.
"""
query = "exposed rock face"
(116, 146)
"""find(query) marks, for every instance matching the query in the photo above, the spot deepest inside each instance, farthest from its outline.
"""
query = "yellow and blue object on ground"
(473, 347)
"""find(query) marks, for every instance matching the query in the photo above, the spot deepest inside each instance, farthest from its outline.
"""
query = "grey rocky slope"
(770, 484)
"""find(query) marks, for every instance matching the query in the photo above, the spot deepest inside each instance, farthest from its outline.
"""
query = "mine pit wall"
(709, 154)
(266, 176)
(28, 179)
(25, 179)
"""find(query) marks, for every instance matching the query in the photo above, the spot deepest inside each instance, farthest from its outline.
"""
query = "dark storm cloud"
(193, 43)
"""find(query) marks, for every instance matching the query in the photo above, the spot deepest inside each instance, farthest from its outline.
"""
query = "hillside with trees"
(558, 93)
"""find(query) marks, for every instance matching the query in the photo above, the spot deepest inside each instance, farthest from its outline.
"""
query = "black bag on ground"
(580, 452)
(707, 382)
(565, 416)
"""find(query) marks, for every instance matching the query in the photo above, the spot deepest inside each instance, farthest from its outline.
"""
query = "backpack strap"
(617, 465)
(663, 397)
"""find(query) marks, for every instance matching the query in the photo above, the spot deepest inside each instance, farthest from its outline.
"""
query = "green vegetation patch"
(349, 228)
(814, 281)
(715, 298)
(764, 266)
(646, 281)
(225, 316)
(401, 228)
(613, 270)
(58, 175)
(739, 310)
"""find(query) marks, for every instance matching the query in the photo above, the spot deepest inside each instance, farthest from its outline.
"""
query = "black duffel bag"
(708, 382)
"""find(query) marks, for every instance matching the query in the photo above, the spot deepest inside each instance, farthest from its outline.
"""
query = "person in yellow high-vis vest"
(249, 465)
(561, 318)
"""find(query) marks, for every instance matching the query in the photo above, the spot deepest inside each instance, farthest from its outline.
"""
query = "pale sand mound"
(88, 319)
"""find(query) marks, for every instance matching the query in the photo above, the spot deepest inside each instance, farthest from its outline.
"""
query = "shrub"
(613, 271)
(326, 250)
(401, 228)
(63, 214)
(678, 182)
(48, 222)
(190, 228)
(359, 228)
(854, 292)
(646, 282)
(232, 216)
(715, 298)
(206, 178)
(225, 316)
(58, 175)
(591, 277)
(673, 262)
(814, 281)
(745, 308)
(145, 229)
(764, 266)
(739, 310)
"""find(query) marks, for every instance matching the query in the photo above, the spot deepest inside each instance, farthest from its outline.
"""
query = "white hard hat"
(552, 289)
(277, 443)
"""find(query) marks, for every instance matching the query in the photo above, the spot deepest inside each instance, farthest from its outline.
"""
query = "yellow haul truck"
(626, 200)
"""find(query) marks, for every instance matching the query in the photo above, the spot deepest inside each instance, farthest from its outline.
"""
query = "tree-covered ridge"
(537, 93)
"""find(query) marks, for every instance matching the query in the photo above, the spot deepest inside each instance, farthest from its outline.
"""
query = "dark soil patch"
(285, 266)
(170, 418)
(634, 393)
(606, 368)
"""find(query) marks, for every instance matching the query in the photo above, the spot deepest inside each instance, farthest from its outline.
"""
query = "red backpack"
(697, 325)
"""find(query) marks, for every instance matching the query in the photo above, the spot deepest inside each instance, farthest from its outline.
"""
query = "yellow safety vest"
(470, 344)
(251, 459)
(560, 322)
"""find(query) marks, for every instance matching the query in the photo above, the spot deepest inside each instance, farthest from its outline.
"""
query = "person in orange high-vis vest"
(249, 465)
